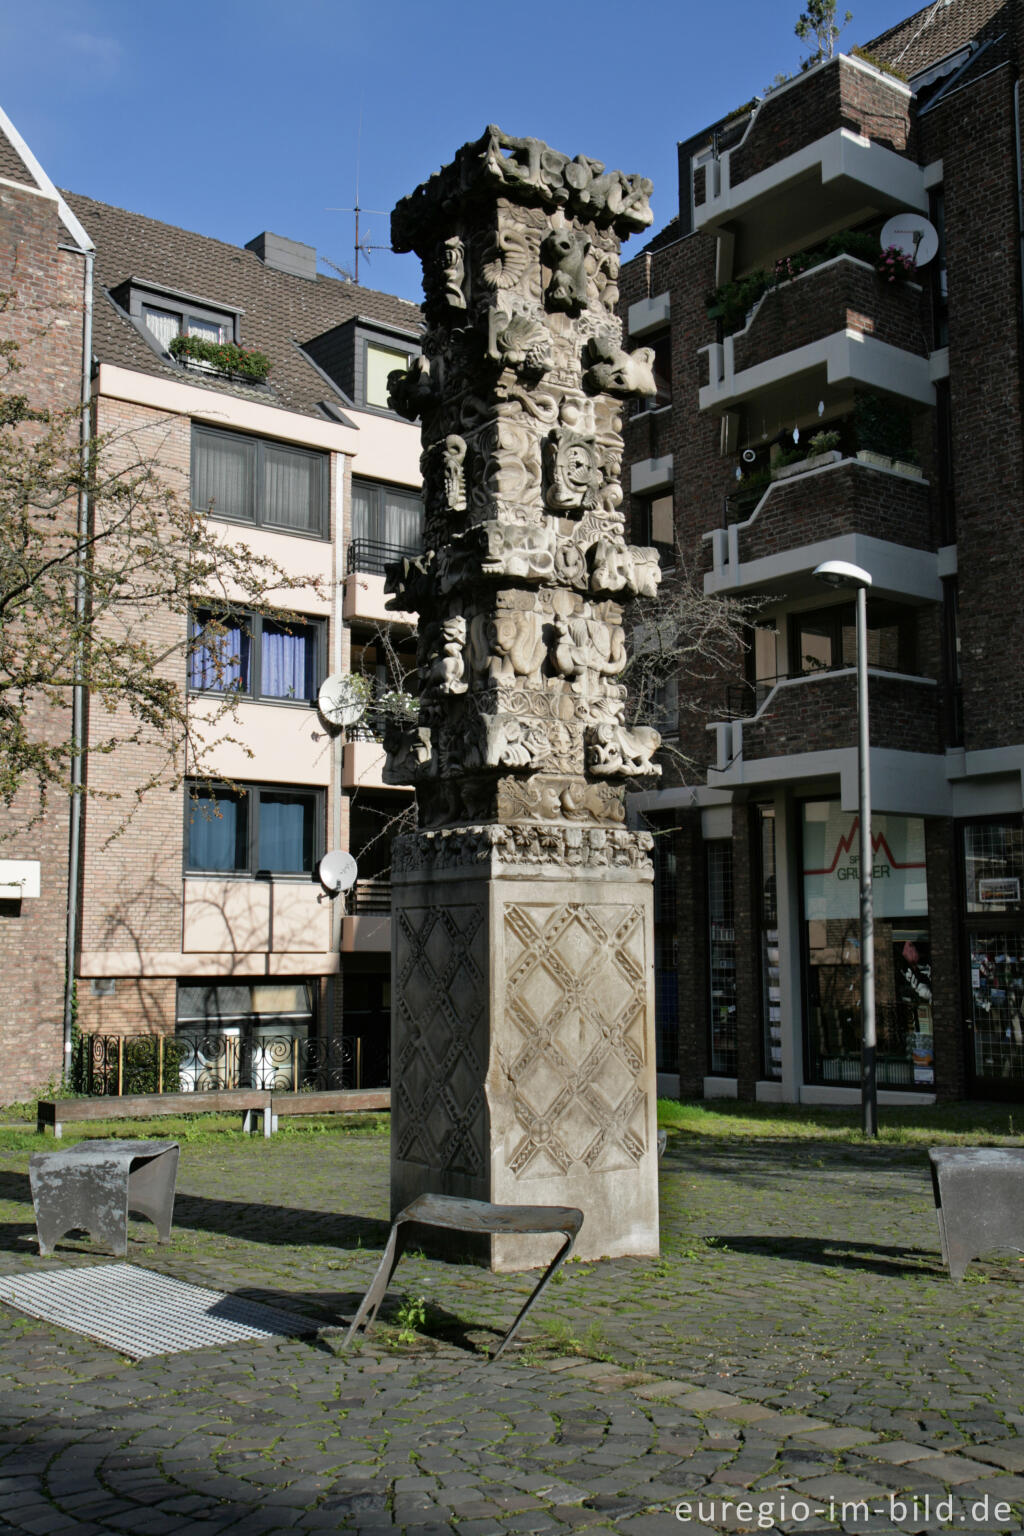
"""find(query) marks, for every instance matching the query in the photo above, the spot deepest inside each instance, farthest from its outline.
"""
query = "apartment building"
(820, 402)
(205, 914)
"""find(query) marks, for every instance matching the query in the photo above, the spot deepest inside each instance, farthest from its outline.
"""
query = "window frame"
(202, 432)
(253, 622)
(143, 295)
(250, 794)
(382, 344)
(835, 618)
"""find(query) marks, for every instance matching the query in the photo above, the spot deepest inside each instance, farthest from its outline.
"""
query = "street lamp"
(840, 573)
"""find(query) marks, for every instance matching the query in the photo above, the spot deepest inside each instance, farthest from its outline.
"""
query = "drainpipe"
(78, 688)
(1020, 187)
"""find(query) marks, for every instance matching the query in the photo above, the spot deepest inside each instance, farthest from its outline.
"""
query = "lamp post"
(840, 573)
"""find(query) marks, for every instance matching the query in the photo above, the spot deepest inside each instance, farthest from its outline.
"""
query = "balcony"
(366, 926)
(836, 509)
(363, 598)
(817, 338)
(825, 150)
(802, 724)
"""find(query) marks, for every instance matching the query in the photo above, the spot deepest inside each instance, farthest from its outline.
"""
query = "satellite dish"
(341, 700)
(913, 234)
(337, 870)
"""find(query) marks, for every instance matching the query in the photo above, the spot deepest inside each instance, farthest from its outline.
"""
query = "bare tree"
(103, 563)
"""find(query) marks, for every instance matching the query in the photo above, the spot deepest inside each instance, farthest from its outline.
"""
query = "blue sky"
(234, 116)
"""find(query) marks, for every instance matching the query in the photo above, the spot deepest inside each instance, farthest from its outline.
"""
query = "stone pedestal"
(522, 1033)
(522, 999)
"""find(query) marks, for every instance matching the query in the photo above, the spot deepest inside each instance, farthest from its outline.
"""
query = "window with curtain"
(386, 519)
(165, 317)
(248, 479)
(255, 655)
(253, 829)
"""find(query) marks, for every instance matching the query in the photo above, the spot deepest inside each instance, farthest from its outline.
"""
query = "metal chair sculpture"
(473, 1216)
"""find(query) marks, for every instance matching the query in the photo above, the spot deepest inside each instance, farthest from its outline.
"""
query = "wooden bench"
(57, 1113)
(331, 1101)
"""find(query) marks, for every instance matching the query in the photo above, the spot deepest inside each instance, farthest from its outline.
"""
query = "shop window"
(723, 1054)
(993, 878)
(903, 992)
(252, 480)
(825, 639)
(252, 830)
(255, 655)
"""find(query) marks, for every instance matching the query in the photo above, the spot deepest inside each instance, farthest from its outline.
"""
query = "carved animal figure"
(615, 750)
(611, 370)
(565, 252)
(506, 645)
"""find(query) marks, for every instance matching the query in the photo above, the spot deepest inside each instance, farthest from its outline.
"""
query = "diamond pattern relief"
(576, 993)
(440, 1026)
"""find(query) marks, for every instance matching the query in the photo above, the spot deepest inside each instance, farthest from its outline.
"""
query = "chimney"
(283, 255)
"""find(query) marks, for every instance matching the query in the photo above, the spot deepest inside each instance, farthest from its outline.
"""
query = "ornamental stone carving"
(521, 641)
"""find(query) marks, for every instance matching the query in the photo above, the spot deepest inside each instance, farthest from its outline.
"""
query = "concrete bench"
(57, 1113)
(93, 1186)
(979, 1201)
(476, 1216)
(332, 1101)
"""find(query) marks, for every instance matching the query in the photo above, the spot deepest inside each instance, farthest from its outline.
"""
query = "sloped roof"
(12, 166)
(280, 311)
(939, 29)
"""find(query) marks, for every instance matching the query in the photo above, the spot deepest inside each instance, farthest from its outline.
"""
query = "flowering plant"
(895, 266)
(227, 356)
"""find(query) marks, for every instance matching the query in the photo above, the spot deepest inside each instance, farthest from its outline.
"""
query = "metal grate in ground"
(140, 1313)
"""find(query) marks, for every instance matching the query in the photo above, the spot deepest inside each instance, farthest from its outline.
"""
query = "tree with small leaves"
(108, 602)
(818, 25)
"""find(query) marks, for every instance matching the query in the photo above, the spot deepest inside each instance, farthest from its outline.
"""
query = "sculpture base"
(523, 1031)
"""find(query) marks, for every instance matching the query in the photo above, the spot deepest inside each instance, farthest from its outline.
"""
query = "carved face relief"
(454, 267)
(453, 475)
(565, 252)
(575, 475)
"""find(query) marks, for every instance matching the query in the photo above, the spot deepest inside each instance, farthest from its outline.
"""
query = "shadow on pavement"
(836, 1253)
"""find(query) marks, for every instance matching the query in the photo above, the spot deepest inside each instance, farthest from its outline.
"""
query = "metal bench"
(218, 1101)
(476, 1216)
(91, 1187)
(979, 1201)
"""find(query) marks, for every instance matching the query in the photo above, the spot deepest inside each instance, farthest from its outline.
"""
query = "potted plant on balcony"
(221, 356)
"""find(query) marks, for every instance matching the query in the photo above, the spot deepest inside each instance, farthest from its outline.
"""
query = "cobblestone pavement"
(797, 1361)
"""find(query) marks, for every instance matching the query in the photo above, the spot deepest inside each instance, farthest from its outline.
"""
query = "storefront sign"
(1001, 891)
(832, 864)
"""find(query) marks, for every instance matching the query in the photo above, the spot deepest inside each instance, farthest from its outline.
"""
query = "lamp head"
(840, 573)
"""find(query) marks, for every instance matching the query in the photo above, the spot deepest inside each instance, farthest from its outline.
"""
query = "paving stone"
(838, 1439)
(900, 1451)
(952, 1469)
(1002, 1453)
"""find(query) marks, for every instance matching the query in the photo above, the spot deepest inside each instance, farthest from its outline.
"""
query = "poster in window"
(831, 864)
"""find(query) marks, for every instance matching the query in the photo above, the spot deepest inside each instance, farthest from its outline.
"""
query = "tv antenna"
(364, 244)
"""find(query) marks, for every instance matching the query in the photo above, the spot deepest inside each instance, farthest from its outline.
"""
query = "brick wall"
(838, 95)
(843, 294)
(45, 318)
(820, 715)
(849, 498)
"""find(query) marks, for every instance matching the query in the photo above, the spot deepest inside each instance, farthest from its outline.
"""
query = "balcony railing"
(818, 713)
(200, 1062)
(373, 557)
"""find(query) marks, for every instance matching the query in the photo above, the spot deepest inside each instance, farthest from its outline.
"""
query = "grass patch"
(196, 1130)
(974, 1124)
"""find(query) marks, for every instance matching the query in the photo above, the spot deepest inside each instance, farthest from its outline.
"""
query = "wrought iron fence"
(198, 1063)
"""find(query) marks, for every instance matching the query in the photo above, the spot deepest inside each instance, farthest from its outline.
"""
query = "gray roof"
(281, 311)
(938, 30)
(12, 166)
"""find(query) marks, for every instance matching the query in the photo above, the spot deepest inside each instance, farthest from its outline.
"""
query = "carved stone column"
(522, 1000)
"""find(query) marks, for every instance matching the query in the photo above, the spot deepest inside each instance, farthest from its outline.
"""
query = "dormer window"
(162, 315)
(379, 362)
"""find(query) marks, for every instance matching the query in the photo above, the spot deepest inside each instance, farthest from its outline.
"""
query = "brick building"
(813, 410)
(206, 916)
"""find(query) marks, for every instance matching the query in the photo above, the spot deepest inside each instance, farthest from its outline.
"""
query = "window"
(993, 881)
(166, 315)
(256, 829)
(254, 655)
(378, 362)
(826, 638)
(387, 523)
(250, 480)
